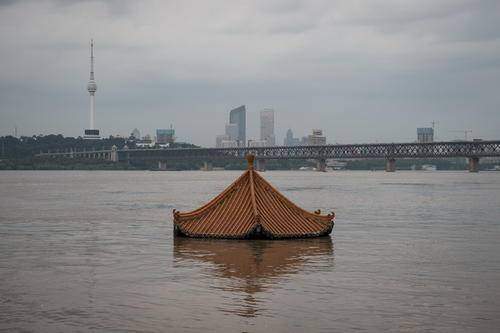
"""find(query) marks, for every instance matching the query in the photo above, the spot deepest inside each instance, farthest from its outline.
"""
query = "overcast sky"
(363, 71)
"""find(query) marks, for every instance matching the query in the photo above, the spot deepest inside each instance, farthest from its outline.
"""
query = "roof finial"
(250, 160)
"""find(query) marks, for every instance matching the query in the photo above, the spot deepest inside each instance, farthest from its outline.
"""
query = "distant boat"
(429, 167)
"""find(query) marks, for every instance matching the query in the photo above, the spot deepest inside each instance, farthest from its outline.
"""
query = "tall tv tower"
(92, 132)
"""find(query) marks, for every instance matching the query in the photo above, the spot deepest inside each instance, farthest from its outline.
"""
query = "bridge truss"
(351, 151)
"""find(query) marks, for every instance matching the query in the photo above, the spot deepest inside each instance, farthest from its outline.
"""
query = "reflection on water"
(251, 267)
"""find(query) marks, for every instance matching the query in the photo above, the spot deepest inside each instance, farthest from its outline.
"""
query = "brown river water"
(92, 251)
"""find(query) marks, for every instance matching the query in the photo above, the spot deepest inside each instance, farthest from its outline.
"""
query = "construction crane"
(465, 132)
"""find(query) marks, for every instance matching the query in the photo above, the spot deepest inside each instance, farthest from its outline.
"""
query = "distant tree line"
(27, 146)
(18, 153)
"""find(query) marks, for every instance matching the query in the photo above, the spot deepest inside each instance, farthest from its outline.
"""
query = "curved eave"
(264, 233)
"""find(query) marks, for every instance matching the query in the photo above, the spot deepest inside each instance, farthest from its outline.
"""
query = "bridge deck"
(347, 151)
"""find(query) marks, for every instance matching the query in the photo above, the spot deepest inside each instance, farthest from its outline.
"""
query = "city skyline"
(370, 74)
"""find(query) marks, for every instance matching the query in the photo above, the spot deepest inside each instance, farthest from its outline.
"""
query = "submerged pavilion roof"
(251, 208)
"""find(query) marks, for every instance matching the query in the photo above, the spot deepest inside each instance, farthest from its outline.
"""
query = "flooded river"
(94, 252)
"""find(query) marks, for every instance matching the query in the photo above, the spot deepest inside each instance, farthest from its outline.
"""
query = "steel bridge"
(388, 151)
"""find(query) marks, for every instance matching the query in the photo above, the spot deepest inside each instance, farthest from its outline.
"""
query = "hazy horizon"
(362, 72)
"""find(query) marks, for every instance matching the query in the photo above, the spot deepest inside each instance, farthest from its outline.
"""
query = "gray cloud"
(7, 2)
(361, 71)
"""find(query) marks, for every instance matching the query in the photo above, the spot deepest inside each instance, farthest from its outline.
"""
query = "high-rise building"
(290, 140)
(238, 116)
(92, 132)
(267, 127)
(165, 136)
(257, 143)
(232, 131)
(219, 139)
(425, 134)
(229, 144)
(316, 138)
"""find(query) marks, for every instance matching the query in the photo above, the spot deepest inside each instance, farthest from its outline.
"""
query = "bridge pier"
(473, 164)
(260, 165)
(162, 165)
(207, 166)
(321, 165)
(390, 165)
(114, 154)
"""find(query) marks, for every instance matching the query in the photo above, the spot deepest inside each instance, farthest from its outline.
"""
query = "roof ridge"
(251, 172)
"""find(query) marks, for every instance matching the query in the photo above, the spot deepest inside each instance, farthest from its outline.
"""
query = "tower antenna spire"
(92, 59)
